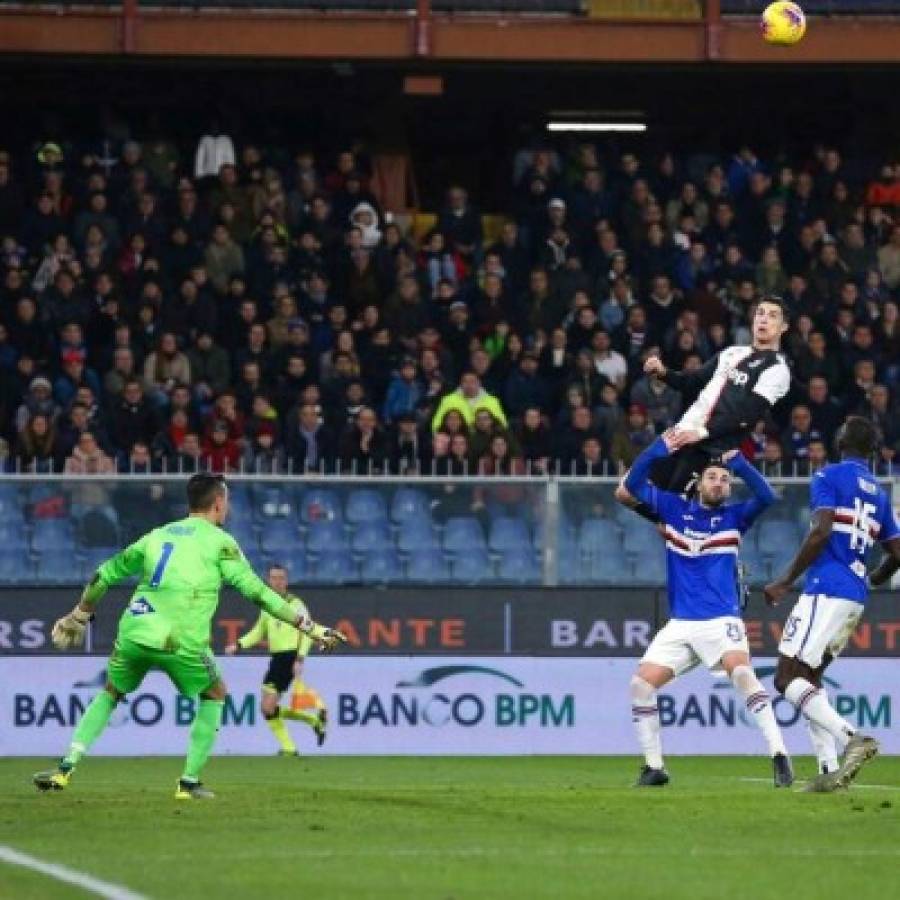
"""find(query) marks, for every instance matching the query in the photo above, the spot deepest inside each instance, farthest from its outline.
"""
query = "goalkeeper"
(289, 650)
(166, 625)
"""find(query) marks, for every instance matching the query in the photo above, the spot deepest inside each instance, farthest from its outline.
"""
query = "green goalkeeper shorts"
(191, 673)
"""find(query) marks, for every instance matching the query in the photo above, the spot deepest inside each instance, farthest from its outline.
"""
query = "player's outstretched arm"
(68, 632)
(251, 638)
(763, 495)
(237, 572)
(812, 546)
(889, 564)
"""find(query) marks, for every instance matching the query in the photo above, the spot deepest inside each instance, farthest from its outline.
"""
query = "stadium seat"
(640, 537)
(320, 505)
(756, 565)
(243, 532)
(280, 537)
(325, 536)
(335, 567)
(463, 534)
(16, 566)
(371, 536)
(428, 567)
(599, 537)
(610, 568)
(53, 536)
(89, 558)
(471, 567)
(239, 502)
(12, 535)
(415, 535)
(650, 567)
(380, 566)
(519, 567)
(409, 503)
(773, 536)
(59, 568)
(507, 533)
(294, 563)
(365, 505)
(270, 502)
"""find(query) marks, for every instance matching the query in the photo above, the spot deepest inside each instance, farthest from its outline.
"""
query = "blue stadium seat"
(463, 534)
(611, 568)
(320, 505)
(650, 567)
(326, 536)
(53, 536)
(519, 567)
(270, 501)
(12, 535)
(410, 503)
(599, 537)
(335, 567)
(380, 566)
(16, 566)
(774, 537)
(371, 536)
(257, 560)
(415, 535)
(239, 502)
(428, 567)
(509, 534)
(59, 568)
(756, 565)
(90, 558)
(294, 563)
(640, 537)
(365, 505)
(280, 537)
(471, 567)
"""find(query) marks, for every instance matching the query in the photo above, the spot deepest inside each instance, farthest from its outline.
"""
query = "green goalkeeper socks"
(299, 715)
(203, 736)
(91, 726)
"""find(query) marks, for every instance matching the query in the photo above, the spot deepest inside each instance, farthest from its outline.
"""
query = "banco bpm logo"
(465, 696)
(723, 708)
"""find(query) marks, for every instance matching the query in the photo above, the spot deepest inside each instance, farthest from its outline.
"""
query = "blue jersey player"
(850, 512)
(702, 536)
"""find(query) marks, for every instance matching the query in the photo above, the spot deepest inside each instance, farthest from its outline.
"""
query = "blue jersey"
(702, 543)
(862, 515)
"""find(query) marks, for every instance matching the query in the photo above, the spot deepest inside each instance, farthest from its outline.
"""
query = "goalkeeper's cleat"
(652, 777)
(859, 750)
(57, 780)
(782, 770)
(321, 727)
(293, 752)
(192, 790)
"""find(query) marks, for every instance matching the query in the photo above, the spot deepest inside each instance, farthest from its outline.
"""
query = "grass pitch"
(452, 828)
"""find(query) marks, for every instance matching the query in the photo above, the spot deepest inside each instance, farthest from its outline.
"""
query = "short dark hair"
(857, 437)
(276, 565)
(775, 300)
(202, 490)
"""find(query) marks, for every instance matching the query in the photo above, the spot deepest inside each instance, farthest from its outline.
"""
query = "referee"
(289, 649)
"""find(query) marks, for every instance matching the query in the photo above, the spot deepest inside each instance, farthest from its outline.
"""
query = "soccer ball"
(783, 23)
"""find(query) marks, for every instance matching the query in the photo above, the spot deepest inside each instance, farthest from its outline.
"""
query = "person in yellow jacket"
(289, 649)
(467, 399)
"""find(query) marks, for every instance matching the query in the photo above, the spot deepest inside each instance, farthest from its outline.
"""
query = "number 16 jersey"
(862, 516)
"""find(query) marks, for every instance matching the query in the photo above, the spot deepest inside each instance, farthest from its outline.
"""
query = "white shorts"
(682, 644)
(818, 625)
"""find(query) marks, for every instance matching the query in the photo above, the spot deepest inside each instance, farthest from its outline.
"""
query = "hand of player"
(776, 592)
(682, 437)
(331, 640)
(729, 455)
(654, 366)
(68, 632)
(231, 649)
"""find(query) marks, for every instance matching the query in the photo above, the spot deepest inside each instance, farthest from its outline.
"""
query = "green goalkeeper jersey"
(282, 637)
(181, 567)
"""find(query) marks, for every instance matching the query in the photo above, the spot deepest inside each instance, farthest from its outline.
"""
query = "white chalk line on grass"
(853, 787)
(69, 876)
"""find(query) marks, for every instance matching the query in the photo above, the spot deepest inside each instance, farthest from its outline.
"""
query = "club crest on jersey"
(140, 606)
(738, 378)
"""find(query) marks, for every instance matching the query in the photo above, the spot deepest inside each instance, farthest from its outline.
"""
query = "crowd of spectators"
(160, 310)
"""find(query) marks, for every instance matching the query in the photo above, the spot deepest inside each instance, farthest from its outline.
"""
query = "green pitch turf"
(451, 828)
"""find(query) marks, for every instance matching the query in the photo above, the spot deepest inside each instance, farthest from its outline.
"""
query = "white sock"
(824, 747)
(759, 705)
(645, 715)
(813, 703)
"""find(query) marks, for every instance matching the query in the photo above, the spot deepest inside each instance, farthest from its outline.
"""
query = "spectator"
(224, 259)
(133, 419)
(408, 453)
(363, 447)
(35, 447)
(220, 451)
(308, 442)
(74, 375)
(404, 391)
(165, 368)
(526, 388)
(534, 438)
(632, 437)
(796, 439)
(590, 461)
(826, 411)
(87, 458)
(209, 367)
(466, 400)
(663, 403)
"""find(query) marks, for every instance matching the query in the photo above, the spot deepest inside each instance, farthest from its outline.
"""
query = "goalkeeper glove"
(68, 632)
(331, 640)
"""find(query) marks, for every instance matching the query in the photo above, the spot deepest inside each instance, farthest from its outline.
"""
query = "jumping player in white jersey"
(850, 512)
(702, 536)
(739, 387)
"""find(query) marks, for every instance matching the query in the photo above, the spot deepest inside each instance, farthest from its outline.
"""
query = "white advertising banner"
(433, 705)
